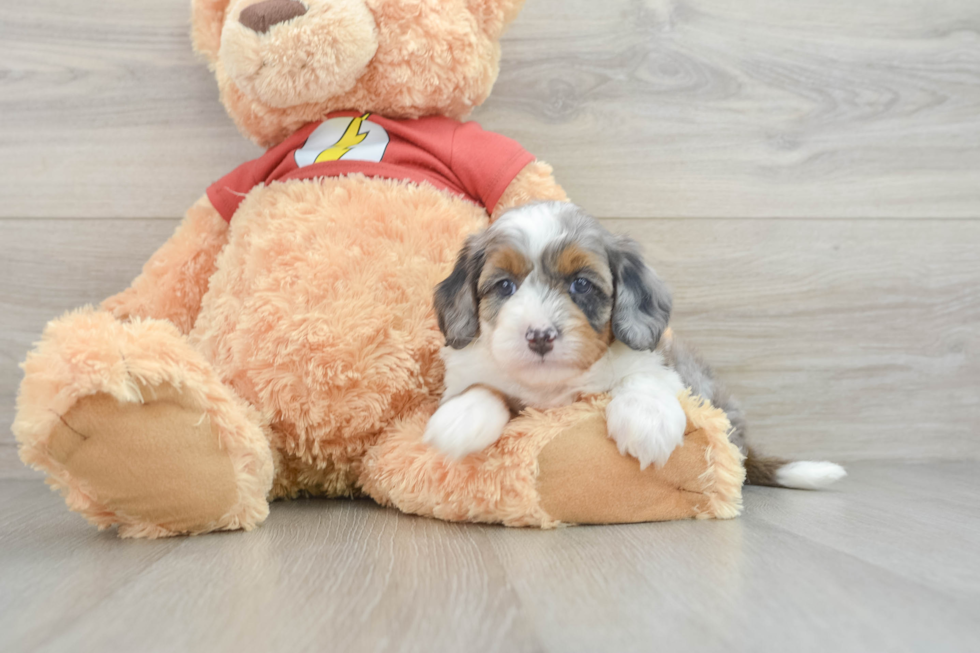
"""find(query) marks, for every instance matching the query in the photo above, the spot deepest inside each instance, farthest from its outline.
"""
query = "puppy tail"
(759, 470)
(799, 474)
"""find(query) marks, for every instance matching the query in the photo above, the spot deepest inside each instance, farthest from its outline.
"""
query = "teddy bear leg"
(135, 429)
(560, 467)
(584, 479)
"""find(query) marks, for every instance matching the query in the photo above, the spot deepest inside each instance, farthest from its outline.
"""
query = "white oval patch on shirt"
(348, 139)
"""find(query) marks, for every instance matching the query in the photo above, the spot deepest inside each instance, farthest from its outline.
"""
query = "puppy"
(546, 306)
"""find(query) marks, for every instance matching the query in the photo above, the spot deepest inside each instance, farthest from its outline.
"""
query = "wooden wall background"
(805, 174)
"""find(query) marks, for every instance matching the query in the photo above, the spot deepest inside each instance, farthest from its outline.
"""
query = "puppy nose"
(541, 341)
(263, 15)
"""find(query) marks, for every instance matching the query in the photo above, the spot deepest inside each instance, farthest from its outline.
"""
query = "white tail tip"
(809, 475)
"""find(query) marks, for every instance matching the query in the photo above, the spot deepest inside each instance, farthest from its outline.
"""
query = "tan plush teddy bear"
(283, 341)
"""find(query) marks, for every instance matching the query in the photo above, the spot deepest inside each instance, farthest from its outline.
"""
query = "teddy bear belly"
(320, 314)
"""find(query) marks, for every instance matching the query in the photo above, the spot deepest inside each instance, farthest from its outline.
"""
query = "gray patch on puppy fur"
(455, 297)
(643, 304)
(698, 375)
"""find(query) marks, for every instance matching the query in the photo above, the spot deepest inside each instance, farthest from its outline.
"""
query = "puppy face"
(549, 288)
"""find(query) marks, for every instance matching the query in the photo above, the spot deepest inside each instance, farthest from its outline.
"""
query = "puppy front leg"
(645, 419)
(469, 422)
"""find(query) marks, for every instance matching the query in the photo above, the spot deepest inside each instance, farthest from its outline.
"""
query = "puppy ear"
(642, 303)
(455, 298)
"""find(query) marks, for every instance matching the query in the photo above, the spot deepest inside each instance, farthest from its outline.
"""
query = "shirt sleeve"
(486, 162)
(229, 191)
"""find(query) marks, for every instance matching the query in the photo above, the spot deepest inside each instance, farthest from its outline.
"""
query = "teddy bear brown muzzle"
(263, 15)
(284, 53)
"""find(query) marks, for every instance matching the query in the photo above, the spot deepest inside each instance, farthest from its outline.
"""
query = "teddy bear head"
(283, 63)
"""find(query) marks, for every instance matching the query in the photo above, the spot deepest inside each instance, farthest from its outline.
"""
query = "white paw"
(468, 423)
(646, 426)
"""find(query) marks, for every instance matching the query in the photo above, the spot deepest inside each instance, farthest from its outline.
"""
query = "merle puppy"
(546, 306)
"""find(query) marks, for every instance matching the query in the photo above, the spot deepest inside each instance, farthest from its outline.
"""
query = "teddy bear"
(283, 343)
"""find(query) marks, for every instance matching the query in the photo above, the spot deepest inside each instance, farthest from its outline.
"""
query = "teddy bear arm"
(175, 278)
(534, 183)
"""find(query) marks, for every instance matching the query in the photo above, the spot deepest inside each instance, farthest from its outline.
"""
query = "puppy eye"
(506, 287)
(581, 286)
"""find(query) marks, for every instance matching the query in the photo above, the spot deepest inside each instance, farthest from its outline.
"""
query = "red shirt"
(454, 156)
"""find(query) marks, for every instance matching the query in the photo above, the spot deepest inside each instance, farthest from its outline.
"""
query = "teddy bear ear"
(207, 19)
(495, 15)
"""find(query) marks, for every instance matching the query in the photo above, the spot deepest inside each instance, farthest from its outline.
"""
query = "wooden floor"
(885, 562)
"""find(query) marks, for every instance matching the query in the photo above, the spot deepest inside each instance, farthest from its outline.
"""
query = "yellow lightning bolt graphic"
(352, 137)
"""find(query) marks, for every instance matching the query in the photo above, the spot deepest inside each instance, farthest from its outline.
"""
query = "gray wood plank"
(722, 586)
(10, 465)
(48, 267)
(55, 567)
(107, 111)
(763, 108)
(51, 266)
(702, 108)
(919, 521)
(343, 575)
(844, 339)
